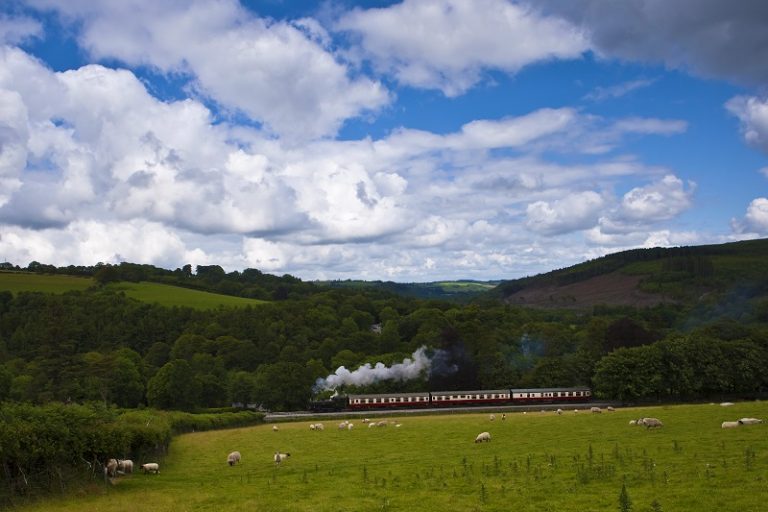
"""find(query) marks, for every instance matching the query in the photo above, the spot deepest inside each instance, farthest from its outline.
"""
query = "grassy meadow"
(535, 462)
(16, 282)
(167, 295)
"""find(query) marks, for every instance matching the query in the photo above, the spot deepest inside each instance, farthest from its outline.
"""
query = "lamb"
(483, 437)
(749, 421)
(151, 467)
(730, 424)
(111, 468)
(233, 458)
(280, 457)
(125, 466)
(596, 410)
(652, 423)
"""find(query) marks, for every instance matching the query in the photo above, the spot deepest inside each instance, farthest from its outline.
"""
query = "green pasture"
(535, 462)
(167, 295)
(16, 282)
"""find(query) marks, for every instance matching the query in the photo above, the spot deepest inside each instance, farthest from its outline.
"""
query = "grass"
(16, 282)
(535, 462)
(167, 295)
(163, 294)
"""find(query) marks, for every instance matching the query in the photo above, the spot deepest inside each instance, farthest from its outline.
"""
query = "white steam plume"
(411, 368)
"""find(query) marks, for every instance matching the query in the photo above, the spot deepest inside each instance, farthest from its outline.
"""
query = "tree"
(283, 386)
(6, 379)
(173, 387)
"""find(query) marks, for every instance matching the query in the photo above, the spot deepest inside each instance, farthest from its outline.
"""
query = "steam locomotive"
(438, 399)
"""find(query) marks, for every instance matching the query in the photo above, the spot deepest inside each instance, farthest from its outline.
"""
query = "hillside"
(647, 277)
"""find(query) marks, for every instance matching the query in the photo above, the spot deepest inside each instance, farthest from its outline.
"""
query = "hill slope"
(646, 277)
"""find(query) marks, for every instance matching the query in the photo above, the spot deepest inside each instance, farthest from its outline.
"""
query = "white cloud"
(447, 44)
(755, 220)
(658, 201)
(618, 90)
(574, 212)
(274, 72)
(14, 30)
(753, 114)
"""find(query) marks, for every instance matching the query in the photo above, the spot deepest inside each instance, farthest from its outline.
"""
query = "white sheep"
(652, 423)
(726, 404)
(151, 467)
(371, 425)
(382, 423)
(274, 428)
(492, 417)
(343, 425)
(111, 468)
(366, 420)
(559, 411)
(311, 426)
(750, 421)
(610, 409)
(233, 458)
(633, 422)
(730, 424)
(483, 437)
(350, 426)
(280, 457)
(125, 466)
(596, 410)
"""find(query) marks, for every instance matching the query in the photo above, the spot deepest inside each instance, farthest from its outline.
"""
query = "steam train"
(438, 399)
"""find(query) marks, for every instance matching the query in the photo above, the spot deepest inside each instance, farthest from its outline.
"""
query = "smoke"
(419, 364)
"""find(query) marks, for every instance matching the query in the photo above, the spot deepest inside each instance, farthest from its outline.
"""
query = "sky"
(409, 141)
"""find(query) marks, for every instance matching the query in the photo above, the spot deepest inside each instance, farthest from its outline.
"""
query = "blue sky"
(408, 141)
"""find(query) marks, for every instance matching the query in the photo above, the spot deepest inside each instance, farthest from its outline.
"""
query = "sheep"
(492, 417)
(233, 458)
(371, 425)
(596, 410)
(749, 421)
(503, 416)
(366, 420)
(633, 422)
(125, 466)
(382, 423)
(274, 428)
(280, 457)
(311, 426)
(610, 409)
(350, 426)
(559, 411)
(730, 424)
(111, 468)
(343, 425)
(151, 467)
(652, 423)
(726, 404)
(483, 437)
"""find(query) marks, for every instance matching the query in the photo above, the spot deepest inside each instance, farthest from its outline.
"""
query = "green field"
(167, 295)
(16, 282)
(535, 462)
(163, 294)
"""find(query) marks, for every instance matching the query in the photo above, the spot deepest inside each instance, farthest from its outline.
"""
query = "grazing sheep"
(575, 411)
(151, 467)
(371, 425)
(610, 409)
(652, 423)
(492, 417)
(311, 426)
(111, 468)
(730, 424)
(280, 457)
(483, 437)
(233, 458)
(726, 404)
(633, 422)
(125, 466)
(559, 411)
(749, 421)
(596, 410)
(382, 423)
(398, 425)
(274, 428)
(350, 426)
(343, 425)
(366, 420)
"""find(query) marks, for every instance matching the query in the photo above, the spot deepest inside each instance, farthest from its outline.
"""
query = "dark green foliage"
(625, 503)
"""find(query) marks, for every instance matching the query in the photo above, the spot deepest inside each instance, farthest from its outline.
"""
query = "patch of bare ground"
(615, 289)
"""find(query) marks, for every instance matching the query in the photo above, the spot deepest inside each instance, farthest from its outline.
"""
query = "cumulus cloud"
(755, 220)
(448, 44)
(707, 37)
(277, 73)
(574, 212)
(658, 201)
(753, 114)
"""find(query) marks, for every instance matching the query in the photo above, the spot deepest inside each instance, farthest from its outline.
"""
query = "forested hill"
(646, 277)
